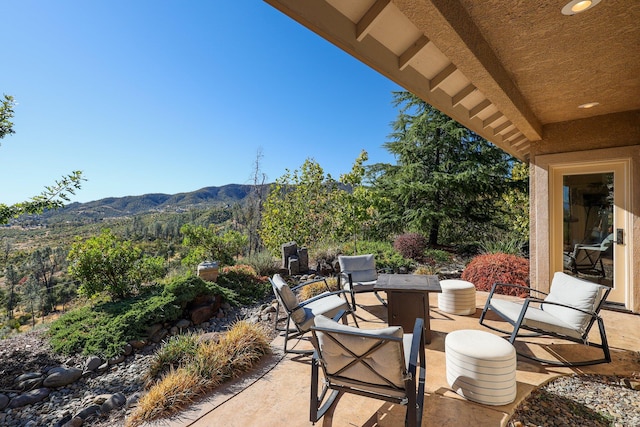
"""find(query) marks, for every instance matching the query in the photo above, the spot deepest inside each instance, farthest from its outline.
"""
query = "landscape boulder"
(114, 401)
(4, 401)
(92, 363)
(59, 377)
(29, 398)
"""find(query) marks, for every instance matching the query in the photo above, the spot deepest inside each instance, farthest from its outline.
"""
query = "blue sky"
(171, 96)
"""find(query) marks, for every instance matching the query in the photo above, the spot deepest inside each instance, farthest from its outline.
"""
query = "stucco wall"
(615, 136)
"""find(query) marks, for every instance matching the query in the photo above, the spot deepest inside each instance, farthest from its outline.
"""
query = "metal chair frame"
(287, 320)
(518, 326)
(414, 376)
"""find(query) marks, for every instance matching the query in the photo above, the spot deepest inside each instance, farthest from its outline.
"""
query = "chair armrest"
(316, 298)
(511, 285)
(339, 315)
(417, 344)
(301, 285)
(559, 304)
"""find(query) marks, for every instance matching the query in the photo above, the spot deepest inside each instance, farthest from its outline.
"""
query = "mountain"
(113, 207)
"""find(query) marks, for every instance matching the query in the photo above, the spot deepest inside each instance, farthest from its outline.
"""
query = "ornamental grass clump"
(485, 270)
(313, 289)
(200, 371)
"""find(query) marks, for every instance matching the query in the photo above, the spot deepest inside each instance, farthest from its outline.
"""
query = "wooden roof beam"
(365, 24)
(412, 51)
(441, 77)
(479, 108)
(458, 97)
(519, 141)
(511, 133)
(491, 119)
(502, 127)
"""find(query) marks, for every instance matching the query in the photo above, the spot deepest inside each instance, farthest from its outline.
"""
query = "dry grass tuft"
(213, 363)
(428, 270)
(313, 289)
(174, 391)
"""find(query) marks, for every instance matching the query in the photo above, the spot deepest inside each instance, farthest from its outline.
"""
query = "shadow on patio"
(277, 392)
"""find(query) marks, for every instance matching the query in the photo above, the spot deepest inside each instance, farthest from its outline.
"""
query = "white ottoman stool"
(457, 297)
(481, 366)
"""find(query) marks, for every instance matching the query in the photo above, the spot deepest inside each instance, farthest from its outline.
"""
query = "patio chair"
(568, 311)
(358, 274)
(383, 364)
(587, 259)
(300, 315)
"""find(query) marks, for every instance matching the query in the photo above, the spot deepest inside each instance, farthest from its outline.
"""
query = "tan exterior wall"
(610, 137)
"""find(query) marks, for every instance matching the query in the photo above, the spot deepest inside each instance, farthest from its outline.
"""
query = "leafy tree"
(6, 114)
(3, 297)
(302, 206)
(53, 197)
(357, 213)
(107, 263)
(45, 263)
(5, 251)
(235, 242)
(446, 175)
(32, 294)
(12, 279)
(516, 203)
(209, 243)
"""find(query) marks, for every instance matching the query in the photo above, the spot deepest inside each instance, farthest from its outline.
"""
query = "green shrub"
(108, 263)
(505, 245)
(184, 289)
(105, 327)
(245, 282)
(411, 245)
(262, 262)
(326, 253)
(387, 258)
(485, 270)
(437, 256)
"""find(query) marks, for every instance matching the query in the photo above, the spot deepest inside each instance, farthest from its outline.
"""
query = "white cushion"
(389, 360)
(573, 291)
(534, 318)
(325, 304)
(289, 299)
(361, 267)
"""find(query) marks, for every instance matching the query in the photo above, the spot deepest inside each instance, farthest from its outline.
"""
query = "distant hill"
(113, 207)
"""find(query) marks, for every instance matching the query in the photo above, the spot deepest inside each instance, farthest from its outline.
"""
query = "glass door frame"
(621, 169)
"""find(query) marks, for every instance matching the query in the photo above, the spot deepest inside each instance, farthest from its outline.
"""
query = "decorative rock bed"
(92, 390)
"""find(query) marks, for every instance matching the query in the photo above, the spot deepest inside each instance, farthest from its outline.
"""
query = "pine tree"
(445, 174)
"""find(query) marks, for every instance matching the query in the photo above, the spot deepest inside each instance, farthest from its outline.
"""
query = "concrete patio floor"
(276, 393)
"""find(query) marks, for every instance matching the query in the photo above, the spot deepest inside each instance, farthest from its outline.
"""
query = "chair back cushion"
(289, 299)
(388, 361)
(361, 267)
(575, 292)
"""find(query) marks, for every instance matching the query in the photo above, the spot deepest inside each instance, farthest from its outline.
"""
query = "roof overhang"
(500, 69)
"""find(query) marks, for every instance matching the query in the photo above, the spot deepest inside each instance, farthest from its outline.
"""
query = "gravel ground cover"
(581, 400)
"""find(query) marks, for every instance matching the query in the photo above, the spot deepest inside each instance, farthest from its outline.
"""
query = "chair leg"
(295, 334)
(380, 298)
(317, 408)
(603, 341)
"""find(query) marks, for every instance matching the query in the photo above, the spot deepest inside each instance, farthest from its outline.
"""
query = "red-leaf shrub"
(411, 245)
(485, 270)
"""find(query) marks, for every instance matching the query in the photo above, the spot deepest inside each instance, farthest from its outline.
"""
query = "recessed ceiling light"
(589, 105)
(577, 6)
